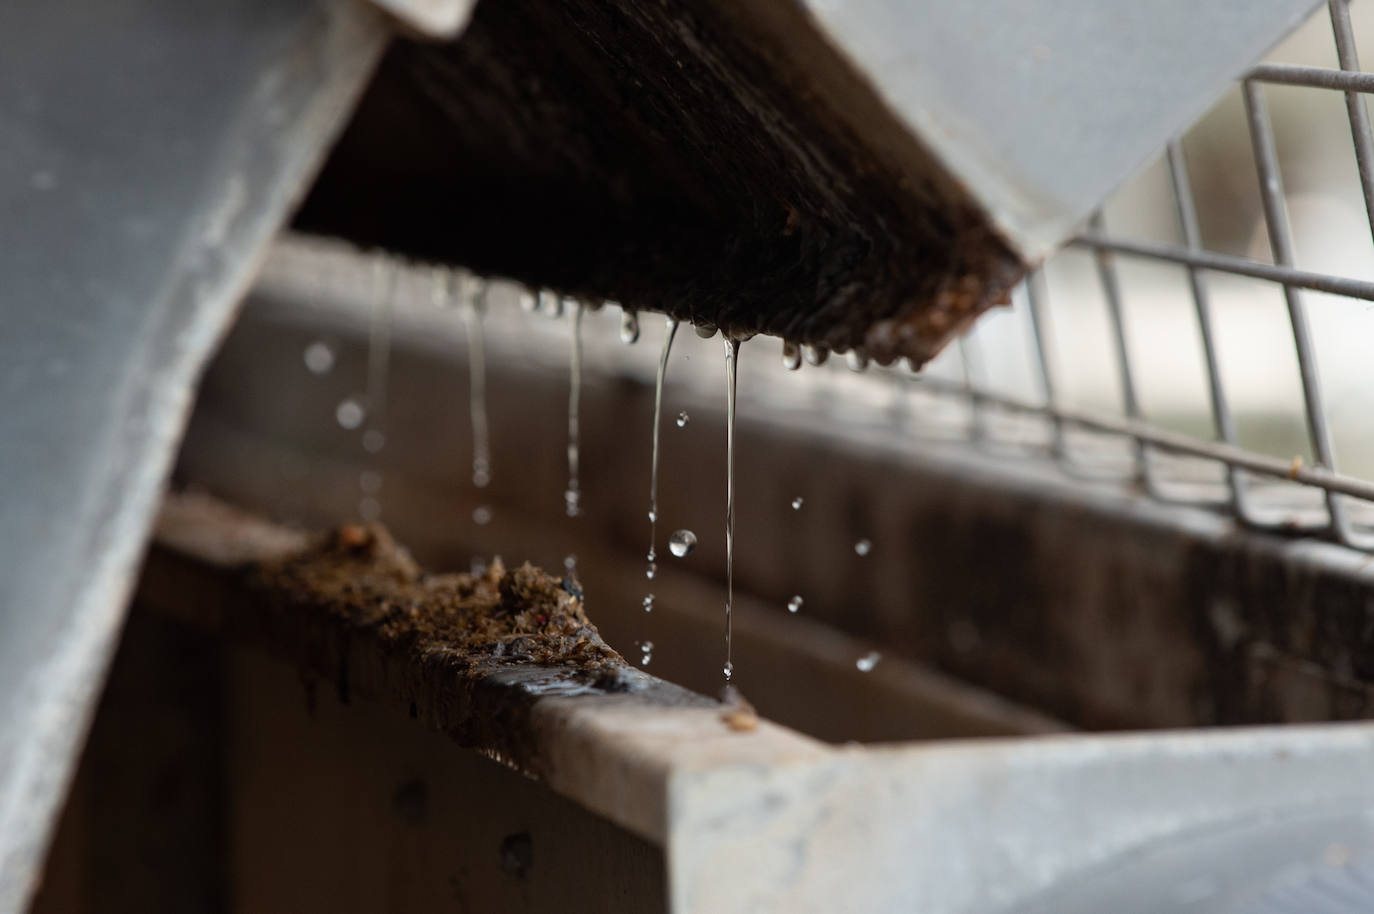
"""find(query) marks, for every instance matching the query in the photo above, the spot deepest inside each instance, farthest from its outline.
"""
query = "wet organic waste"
(478, 623)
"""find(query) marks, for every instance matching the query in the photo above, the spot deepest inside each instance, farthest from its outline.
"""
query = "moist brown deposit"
(359, 577)
(712, 159)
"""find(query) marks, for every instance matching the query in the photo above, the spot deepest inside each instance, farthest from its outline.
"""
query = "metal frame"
(1132, 425)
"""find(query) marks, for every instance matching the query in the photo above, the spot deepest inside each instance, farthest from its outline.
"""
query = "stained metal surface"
(1055, 103)
(148, 150)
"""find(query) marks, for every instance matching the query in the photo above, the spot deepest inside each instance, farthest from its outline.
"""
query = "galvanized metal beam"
(148, 151)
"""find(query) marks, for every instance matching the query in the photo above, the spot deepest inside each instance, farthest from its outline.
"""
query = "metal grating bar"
(1354, 104)
(1178, 443)
(1244, 498)
(1221, 411)
(1287, 74)
(1237, 266)
(1111, 291)
(1039, 327)
(1280, 240)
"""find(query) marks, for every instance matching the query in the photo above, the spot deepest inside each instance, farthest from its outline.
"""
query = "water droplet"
(868, 661)
(815, 355)
(481, 515)
(856, 359)
(528, 303)
(794, 604)
(651, 570)
(319, 358)
(653, 518)
(350, 413)
(705, 331)
(863, 546)
(370, 482)
(797, 503)
(646, 651)
(629, 327)
(373, 441)
(683, 419)
(682, 542)
(481, 477)
(550, 304)
(572, 500)
(791, 356)
(728, 670)
(649, 603)
(570, 562)
(369, 509)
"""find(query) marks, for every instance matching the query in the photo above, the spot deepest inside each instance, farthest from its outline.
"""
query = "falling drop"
(794, 604)
(705, 331)
(350, 413)
(791, 356)
(481, 515)
(863, 546)
(856, 359)
(815, 355)
(573, 496)
(570, 562)
(646, 651)
(370, 482)
(629, 327)
(728, 670)
(379, 352)
(373, 441)
(682, 542)
(369, 509)
(797, 503)
(683, 419)
(319, 358)
(731, 370)
(868, 661)
(474, 308)
(670, 331)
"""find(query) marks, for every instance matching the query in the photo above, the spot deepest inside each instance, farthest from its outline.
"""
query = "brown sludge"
(360, 577)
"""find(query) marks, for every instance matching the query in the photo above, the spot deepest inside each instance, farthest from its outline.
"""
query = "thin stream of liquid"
(379, 353)
(573, 496)
(378, 366)
(477, 388)
(653, 458)
(731, 367)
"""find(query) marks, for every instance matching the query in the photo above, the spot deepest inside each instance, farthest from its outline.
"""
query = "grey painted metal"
(1056, 102)
(148, 151)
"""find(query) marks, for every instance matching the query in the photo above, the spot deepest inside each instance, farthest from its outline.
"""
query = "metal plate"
(148, 150)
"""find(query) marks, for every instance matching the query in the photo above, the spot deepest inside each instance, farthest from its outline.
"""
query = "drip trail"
(731, 366)
(653, 458)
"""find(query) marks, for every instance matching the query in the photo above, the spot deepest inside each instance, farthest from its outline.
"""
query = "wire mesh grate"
(1229, 447)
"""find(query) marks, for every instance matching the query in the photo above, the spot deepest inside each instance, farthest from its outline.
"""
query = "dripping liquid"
(731, 364)
(378, 367)
(477, 390)
(573, 496)
(653, 457)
